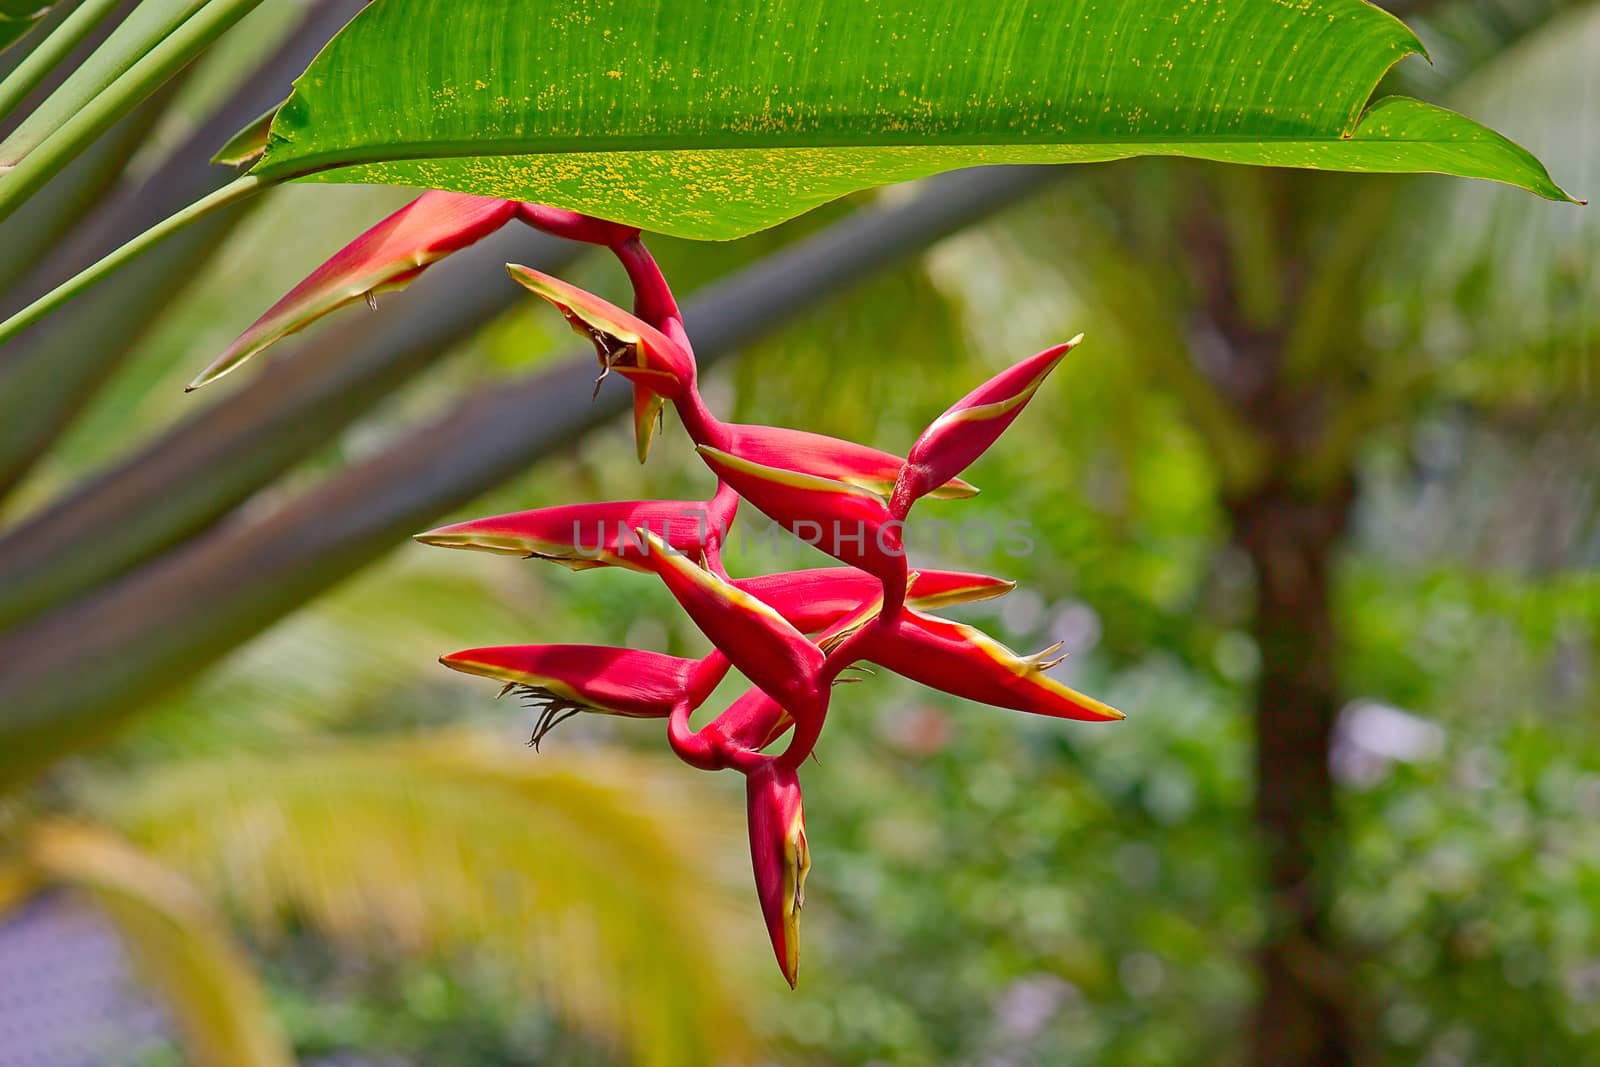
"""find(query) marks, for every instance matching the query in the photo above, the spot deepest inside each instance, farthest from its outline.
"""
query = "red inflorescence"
(790, 634)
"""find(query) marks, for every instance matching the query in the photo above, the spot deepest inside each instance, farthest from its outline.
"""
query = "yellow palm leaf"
(583, 873)
(174, 937)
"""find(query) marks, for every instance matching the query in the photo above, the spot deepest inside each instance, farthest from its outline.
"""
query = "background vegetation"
(1316, 504)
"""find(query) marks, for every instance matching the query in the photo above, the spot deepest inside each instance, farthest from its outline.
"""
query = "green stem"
(146, 26)
(240, 188)
(144, 77)
(52, 50)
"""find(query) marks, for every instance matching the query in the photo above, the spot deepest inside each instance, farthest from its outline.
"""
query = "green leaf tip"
(247, 146)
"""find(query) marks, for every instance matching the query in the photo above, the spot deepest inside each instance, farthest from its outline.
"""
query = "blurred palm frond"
(584, 874)
(175, 938)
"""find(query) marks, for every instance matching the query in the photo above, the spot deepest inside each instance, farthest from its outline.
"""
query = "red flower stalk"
(586, 229)
(848, 499)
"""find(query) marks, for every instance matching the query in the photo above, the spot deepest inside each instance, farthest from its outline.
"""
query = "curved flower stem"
(807, 729)
(702, 427)
(652, 297)
(690, 746)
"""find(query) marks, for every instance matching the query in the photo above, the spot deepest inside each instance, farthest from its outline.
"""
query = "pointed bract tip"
(647, 408)
(592, 309)
(441, 538)
(519, 271)
(453, 537)
(212, 373)
(954, 440)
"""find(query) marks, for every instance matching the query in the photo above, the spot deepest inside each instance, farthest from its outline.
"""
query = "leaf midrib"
(399, 152)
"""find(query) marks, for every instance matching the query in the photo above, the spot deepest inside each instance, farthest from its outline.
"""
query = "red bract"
(814, 599)
(781, 858)
(826, 457)
(967, 662)
(847, 522)
(848, 499)
(765, 647)
(959, 436)
(562, 680)
(581, 536)
(622, 342)
(386, 257)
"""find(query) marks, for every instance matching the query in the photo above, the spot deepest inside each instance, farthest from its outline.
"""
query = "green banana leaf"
(714, 120)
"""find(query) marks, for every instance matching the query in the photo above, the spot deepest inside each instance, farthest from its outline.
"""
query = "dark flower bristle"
(553, 708)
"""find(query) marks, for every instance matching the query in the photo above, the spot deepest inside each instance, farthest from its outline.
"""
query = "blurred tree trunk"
(1307, 1012)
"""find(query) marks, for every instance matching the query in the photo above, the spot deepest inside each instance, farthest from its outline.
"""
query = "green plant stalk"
(51, 51)
(52, 378)
(147, 75)
(144, 28)
(241, 188)
(31, 237)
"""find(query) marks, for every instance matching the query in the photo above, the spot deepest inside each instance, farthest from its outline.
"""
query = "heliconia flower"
(581, 536)
(966, 662)
(827, 457)
(622, 341)
(387, 257)
(845, 521)
(780, 858)
(760, 642)
(959, 436)
(562, 680)
(813, 599)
